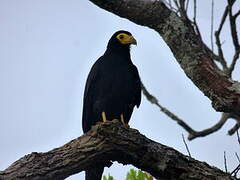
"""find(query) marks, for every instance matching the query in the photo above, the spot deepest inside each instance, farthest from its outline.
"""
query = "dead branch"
(234, 35)
(192, 133)
(218, 41)
(183, 138)
(171, 115)
(214, 128)
(111, 142)
(238, 138)
(212, 22)
(225, 161)
(234, 128)
(236, 154)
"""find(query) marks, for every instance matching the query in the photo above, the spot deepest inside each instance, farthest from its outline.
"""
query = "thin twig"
(236, 154)
(234, 128)
(194, 10)
(169, 4)
(183, 138)
(225, 162)
(233, 29)
(187, 4)
(177, 6)
(237, 14)
(234, 61)
(212, 18)
(233, 25)
(218, 41)
(238, 138)
(235, 171)
(182, 8)
(197, 30)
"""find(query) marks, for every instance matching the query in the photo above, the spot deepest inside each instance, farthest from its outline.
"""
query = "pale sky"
(46, 51)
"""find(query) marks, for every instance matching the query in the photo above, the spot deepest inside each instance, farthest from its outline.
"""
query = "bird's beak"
(132, 40)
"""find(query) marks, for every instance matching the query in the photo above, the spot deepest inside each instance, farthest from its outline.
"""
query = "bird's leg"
(104, 118)
(122, 120)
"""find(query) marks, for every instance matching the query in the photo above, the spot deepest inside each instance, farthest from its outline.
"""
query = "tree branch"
(186, 46)
(193, 133)
(107, 142)
(171, 115)
(233, 29)
(218, 41)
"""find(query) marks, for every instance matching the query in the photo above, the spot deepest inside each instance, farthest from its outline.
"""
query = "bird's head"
(121, 40)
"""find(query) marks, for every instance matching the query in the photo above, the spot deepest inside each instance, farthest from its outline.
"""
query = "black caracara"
(113, 88)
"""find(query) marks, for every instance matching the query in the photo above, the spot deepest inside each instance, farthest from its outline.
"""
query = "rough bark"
(111, 142)
(186, 46)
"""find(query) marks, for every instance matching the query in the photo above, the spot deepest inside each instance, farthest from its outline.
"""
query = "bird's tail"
(94, 173)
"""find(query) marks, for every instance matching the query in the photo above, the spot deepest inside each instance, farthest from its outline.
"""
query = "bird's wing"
(93, 74)
(137, 97)
(87, 117)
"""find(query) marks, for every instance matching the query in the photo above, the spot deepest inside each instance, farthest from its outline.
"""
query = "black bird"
(112, 90)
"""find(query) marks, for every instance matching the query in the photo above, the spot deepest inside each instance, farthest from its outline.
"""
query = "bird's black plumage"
(113, 86)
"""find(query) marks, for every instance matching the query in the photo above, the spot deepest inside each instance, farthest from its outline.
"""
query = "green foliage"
(108, 178)
(138, 175)
(133, 175)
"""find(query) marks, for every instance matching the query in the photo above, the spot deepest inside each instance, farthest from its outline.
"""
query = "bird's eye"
(121, 36)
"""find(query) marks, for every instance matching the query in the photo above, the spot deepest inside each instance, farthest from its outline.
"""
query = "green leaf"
(108, 178)
(133, 175)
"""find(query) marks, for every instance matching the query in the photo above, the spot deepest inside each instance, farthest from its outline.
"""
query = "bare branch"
(106, 142)
(169, 4)
(238, 138)
(235, 171)
(197, 30)
(192, 133)
(234, 61)
(233, 29)
(176, 4)
(212, 19)
(174, 117)
(216, 127)
(218, 41)
(237, 14)
(187, 4)
(236, 154)
(183, 138)
(225, 162)
(234, 128)
(194, 10)
(233, 26)
(182, 8)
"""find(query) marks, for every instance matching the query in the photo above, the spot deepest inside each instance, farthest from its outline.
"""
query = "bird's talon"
(115, 120)
(122, 120)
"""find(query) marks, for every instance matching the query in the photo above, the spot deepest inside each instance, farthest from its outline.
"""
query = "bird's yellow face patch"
(126, 39)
